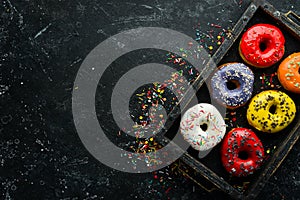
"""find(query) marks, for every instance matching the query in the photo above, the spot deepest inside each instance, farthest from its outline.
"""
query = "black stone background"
(41, 156)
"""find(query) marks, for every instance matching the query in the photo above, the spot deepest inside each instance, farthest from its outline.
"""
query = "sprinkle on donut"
(262, 45)
(240, 77)
(271, 111)
(242, 152)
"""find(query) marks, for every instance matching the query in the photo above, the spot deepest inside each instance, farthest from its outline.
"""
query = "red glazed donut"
(241, 152)
(262, 45)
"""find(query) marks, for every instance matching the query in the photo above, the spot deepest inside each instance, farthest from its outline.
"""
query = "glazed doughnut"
(240, 77)
(262, 45)
(203, 127)
(241, 152)
(271, 111)
(288, 73)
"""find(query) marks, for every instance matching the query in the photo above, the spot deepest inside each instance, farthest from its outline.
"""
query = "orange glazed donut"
(262, 45)
(288, 73)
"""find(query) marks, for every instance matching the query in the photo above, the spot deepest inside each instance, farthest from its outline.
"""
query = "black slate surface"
(42, 46)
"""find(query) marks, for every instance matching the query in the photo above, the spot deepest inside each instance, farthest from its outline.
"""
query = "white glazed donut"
(203, 127)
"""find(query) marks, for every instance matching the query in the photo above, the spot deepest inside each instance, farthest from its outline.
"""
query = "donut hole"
(264, 44)
(243, 155)
(272, 109)
(204, 127)
(232, 84)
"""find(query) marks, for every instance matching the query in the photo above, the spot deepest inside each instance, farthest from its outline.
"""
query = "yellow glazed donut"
(271, 111)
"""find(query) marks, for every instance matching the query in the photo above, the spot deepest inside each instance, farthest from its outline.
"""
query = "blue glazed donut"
(232, 84)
